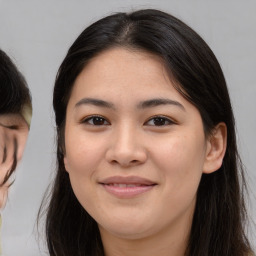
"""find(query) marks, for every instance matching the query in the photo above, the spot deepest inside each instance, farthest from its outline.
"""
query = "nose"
(126, 148)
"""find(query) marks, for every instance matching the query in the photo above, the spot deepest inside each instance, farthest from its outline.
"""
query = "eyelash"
(164, 121)
(96, 118)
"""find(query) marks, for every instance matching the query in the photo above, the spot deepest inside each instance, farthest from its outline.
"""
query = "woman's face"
(135, 148)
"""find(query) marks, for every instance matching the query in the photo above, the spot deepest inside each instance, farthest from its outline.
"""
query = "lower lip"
(127, 192)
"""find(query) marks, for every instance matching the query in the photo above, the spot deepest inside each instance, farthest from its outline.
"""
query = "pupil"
(98, 121)
(159, 121)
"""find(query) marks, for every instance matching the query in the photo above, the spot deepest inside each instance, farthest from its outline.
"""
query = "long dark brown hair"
(218, 226)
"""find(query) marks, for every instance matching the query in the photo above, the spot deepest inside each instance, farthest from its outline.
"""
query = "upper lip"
(127, 180)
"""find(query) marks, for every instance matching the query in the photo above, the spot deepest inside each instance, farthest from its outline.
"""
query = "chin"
(128, 228)
(130, 233)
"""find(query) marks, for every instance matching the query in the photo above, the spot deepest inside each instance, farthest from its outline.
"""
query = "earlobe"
(216, 148)
(66, 163)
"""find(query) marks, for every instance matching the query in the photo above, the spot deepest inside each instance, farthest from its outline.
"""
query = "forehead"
(126, 62)
(121, 71)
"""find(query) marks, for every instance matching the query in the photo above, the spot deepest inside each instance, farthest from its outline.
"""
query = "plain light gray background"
(37, 35)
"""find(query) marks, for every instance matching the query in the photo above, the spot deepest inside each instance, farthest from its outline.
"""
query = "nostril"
(114, 162)
(126, 156)
(125, 163)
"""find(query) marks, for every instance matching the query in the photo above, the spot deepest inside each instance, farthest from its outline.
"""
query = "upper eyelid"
(162, 116)
(92, 116)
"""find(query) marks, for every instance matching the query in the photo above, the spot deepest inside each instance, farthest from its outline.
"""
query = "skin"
(127, 142)
(12, 127)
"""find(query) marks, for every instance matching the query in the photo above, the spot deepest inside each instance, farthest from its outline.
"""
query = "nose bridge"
(127, 146)
(125, 138)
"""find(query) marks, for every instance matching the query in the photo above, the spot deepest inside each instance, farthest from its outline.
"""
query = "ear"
(215, 149)
(66, 163)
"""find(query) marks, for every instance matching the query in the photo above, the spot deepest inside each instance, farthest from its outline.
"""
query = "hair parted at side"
(218, 223)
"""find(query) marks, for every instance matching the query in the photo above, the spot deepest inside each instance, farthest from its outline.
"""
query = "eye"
(159, 121)
(95, 120)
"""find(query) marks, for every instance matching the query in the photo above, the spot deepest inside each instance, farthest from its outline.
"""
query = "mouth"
(127, 187)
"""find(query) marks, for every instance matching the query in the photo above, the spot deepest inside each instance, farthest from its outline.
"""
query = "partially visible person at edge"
(15, 117)
(147, 161)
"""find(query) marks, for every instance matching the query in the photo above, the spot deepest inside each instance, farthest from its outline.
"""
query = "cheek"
(83, 153)
(180, 161)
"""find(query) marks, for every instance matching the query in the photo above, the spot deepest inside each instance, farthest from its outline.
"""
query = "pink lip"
(127, 187)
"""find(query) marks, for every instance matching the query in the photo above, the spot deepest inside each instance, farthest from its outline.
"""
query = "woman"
(147, 156)
(15, 116)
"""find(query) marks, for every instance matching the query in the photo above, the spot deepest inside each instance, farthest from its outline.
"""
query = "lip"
(127, 187)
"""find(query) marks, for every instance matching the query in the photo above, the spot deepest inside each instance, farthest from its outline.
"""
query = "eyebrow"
(95, 102)
(158, 102)
(144, 104)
